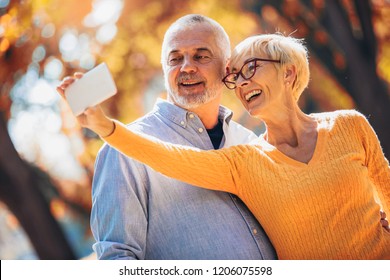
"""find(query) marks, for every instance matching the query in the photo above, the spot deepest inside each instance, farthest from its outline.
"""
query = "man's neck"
(208, 114)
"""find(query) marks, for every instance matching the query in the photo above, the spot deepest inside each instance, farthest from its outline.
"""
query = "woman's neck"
(289, 127)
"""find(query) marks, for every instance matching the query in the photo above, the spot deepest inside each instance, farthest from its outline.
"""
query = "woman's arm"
(377, 165)
(214, 169)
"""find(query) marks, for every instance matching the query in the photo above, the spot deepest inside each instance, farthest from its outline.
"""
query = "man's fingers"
(384, 222)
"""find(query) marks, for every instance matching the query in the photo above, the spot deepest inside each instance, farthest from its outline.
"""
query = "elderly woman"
(303, 178)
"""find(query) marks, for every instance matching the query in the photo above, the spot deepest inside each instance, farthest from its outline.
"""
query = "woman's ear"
(289, 74)
(227, 66)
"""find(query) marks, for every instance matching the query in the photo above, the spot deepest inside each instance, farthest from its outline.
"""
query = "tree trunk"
(361, 80)
(20, 189)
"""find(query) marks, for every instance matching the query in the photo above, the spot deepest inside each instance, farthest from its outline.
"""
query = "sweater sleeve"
(376, 162)
(213, 169)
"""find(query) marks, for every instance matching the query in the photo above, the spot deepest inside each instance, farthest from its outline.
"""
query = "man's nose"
(188, 66)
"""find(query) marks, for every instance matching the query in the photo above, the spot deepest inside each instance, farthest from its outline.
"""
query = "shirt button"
(182, 123)
(192, 116)
(200, 129)
(254, 231)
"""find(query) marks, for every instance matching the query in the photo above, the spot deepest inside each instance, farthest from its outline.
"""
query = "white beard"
(190, 101)
(195, 100)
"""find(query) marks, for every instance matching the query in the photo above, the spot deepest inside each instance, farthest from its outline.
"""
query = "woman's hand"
(92, 118)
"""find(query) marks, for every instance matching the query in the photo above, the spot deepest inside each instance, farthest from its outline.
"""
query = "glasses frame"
(228, 84)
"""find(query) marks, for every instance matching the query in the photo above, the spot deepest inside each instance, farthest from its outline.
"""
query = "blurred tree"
(344, 36)
(73, 35)
(21, 189)
(25, 189)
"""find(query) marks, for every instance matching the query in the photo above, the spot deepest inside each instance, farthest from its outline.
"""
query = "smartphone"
(94, 87)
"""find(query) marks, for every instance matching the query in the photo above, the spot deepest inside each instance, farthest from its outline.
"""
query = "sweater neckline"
(276, 154)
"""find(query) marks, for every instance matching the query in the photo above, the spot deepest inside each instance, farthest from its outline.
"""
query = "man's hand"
(384, 221)
(92, 118)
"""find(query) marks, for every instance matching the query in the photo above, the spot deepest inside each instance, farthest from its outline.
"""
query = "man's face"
(193, 67)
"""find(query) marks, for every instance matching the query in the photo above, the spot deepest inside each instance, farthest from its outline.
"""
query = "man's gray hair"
(188, 22)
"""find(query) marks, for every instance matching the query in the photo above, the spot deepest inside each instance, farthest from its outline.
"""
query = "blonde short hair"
(289, 50)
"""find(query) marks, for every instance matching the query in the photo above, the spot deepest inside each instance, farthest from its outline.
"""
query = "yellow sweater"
(325, 209)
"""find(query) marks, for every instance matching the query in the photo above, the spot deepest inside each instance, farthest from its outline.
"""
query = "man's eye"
(174, 61)
(202, 58)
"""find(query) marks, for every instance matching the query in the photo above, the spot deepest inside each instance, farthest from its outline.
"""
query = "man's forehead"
(189, 49)
(191, 38)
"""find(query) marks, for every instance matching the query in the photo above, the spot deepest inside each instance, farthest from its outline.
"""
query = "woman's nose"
(241, 82)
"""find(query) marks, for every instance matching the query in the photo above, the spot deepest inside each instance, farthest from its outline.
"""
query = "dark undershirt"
(216, 134)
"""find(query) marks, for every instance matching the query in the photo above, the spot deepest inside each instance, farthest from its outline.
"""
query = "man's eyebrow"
(203, 49)
(173, 52)
(196, 49)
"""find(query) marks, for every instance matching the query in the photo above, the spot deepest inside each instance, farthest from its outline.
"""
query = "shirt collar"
(179, 115)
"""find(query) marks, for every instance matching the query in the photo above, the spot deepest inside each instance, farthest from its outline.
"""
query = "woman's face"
(264, 91)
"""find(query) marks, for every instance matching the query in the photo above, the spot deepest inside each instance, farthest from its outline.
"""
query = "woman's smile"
(252, 95)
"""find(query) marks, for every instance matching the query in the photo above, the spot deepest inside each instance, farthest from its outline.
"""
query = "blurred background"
(46, 159)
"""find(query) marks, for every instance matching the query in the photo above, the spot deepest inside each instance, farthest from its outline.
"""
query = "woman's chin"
(254, 111)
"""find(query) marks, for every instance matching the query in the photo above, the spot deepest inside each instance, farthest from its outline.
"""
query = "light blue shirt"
(138, 213)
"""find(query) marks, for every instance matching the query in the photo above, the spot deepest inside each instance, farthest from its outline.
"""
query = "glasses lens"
(249, 69)
(230, 80)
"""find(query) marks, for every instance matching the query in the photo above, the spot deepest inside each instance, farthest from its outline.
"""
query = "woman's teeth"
(252, 94)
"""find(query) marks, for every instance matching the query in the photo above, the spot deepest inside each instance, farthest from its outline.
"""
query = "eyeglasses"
(247, 71)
